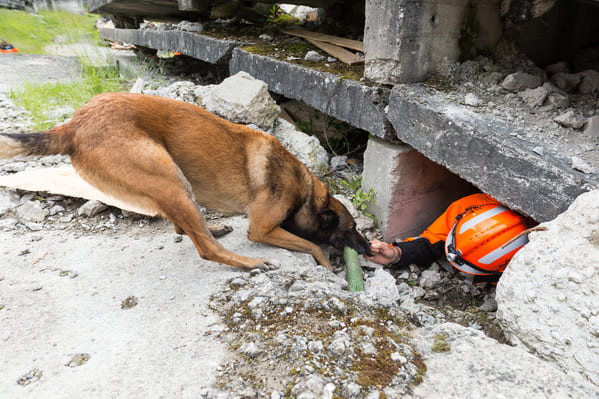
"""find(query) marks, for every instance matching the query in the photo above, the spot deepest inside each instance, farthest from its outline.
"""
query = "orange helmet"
(485, 238)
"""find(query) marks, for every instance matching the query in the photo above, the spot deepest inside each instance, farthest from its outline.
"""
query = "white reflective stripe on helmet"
(482, 217)
(504, 250)
(470, 270)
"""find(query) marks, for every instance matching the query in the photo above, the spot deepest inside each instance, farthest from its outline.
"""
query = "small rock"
(534, 97)
(558, 100)
(539, 150)
(190, 26)
(8, 224)
(430, 279)
(56, 209)
(399, 358)
(566, 81)
(250, 349)
(472, 100)
(558, 67)
(32, 376)
(313, 56)
(338, 162)
(581, 165)
(32, 211)
(91, 208)
(490, 305)
(178, 238)
(589, 83)
(265, 37)
(520, 81)
(570, 119)
(34, 226)
(78, 359)
(592, 128)
(8, 201)
(129, 302)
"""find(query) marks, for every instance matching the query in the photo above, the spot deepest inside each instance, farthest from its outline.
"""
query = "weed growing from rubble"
(359, 197)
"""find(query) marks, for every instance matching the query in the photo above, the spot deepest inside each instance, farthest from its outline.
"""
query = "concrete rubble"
(547, 296)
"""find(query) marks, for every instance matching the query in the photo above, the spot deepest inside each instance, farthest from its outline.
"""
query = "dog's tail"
(51, 142)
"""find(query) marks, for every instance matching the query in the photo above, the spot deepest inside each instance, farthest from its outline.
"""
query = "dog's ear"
(329, 220)
(321, 194)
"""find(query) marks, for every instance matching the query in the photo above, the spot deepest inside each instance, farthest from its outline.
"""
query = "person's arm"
(419, 251)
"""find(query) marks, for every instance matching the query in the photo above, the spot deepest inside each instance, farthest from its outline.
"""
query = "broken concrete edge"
(466, 143)
(328, 93)
(208, 49)
(539, 186)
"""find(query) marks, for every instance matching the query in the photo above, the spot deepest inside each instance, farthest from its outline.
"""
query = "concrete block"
(345, 99)
(204, 48)
(406, 41)
(481, 149)
(410, 190)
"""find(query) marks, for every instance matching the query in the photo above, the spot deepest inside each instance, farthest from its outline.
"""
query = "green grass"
(41, 99)
(30, 33)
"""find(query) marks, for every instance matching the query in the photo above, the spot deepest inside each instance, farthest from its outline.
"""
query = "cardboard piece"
(64, 180)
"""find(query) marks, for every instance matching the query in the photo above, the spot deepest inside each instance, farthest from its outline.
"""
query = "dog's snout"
(359, 243)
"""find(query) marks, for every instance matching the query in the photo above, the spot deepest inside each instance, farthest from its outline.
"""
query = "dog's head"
(325, 220)
(338, 228)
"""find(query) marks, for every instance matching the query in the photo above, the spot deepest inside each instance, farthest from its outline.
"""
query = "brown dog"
(165, 154)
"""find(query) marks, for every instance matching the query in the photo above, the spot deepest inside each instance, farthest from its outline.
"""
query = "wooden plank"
(338, 52)
(339, 41)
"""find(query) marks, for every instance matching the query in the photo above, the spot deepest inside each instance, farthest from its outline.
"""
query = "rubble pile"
(554, 110)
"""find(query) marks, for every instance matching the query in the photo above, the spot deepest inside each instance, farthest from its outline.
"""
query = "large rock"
(241, 99)
(548, 295)
(305, 147)
(464, 363)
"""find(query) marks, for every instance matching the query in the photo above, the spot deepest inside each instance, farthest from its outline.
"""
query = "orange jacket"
(430, 245)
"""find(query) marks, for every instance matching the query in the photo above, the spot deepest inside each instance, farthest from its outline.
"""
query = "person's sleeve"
(419, 251)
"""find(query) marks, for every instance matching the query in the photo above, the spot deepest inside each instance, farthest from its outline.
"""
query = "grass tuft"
(30, 33)
(42, 100)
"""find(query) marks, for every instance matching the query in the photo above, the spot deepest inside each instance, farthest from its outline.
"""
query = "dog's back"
(163, 154)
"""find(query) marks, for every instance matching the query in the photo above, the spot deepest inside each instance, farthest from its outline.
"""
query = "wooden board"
(338, 52)
(65, 181)
(339, 41)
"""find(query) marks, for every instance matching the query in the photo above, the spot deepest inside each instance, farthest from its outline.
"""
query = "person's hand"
(383, 253)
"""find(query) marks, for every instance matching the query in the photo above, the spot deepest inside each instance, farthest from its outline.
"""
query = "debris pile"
(301, 332)
(553, 110)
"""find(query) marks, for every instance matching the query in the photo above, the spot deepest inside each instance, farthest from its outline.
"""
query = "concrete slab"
(481, 149)
(165, 346)
(202, 47)
(345, 99)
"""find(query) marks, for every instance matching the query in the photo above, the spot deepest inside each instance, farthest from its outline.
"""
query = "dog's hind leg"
(149, 177)
(217, 230)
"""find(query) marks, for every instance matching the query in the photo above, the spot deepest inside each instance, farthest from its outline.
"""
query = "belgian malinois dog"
(165, 155)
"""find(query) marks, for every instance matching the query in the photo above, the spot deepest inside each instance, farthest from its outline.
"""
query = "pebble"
(314, 56)
(472, 100)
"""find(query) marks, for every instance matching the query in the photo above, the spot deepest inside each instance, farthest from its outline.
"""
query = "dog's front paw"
(265, 266)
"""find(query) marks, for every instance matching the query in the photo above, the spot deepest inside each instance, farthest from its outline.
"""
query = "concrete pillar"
(405, 41)
(411, 191)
